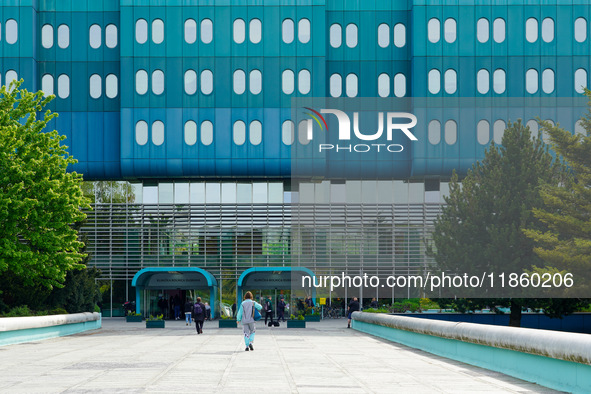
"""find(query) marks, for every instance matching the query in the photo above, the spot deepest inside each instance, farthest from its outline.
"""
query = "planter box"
(312, 317)
(296, 324)
(227, 323)
(154, 323)
(134, 319)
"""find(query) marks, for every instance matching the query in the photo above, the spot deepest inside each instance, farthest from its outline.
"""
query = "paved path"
(323, 358)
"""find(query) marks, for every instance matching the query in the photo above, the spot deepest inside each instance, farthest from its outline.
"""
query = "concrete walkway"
(323, 358)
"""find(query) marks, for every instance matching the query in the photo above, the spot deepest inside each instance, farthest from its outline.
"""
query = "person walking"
(374, 303)
(281, 310)
(353, 307)
(207, 311)
(199, 315)
(268, 310)
(177, 307)
(188, 310)
(246, 317)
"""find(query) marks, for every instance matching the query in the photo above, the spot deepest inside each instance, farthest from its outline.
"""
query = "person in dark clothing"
(268, 309)
(233, 309)
(199, 315)
(177, 307)
(374, 303)
(353, 307)
(281, 310)
(310, 302)
(188, 310)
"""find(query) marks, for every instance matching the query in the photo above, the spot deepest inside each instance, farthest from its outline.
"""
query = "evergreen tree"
(566, 242)
(481, 229)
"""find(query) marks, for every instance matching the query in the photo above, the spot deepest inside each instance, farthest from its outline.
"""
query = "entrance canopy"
(268, 278)
(170, 278)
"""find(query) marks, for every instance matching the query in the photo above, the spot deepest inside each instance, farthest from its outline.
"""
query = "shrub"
(18, 311)
(57, 311)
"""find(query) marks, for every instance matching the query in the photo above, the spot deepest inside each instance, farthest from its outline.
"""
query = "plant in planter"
(133, 317)
(298, 322)
(155, 321)
(312, 314)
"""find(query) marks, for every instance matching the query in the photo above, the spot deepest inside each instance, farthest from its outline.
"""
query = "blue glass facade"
(186, 89)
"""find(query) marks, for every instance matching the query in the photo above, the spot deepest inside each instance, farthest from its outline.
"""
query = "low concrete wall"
(554, 359)
(33, 328)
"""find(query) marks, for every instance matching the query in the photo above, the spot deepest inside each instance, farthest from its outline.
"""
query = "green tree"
(481, 227)
(566, 242)
(39, 200)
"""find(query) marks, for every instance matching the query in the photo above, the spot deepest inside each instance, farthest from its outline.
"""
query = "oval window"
(111, 36)
(287, 132)
(206, 82)
(239, 82)
(190, 82)
(287, 81)
(191, 37)
(399, 85)
(111, 86)
(449, 28)
(580, 80)
(336, 88)
(303, 136)
(47, 36)
(206, 132)
(383, 35)
(434, 30)
(158, 82)
(451, 132)
(47, 85)
(304, 31)
(11, 31)
(96, 86)
(255, 31)
(157, 31)
(63, 86)
(239, 31)
(351, 85)
(498, 132)
(95, 38)
(255, 132)
(531, 81)
(141, 31)
(434, 132)
(548, 80)
(531, 30)
(304, 81)
(548, 29)
(434, 81)
(141, 132)
(384, 85)
(399, 35)
(157, 133)
(190, 133)
(63, 36)
(451, 81)
(287, 31)
(483, 132)
(482, 30)
(499, 30)
(206, 31)
(256, 82)
(351, 35)
(141, 82)
(239, 132)
(335, 35)
(483, 81)
(499, 81)
(580, 29)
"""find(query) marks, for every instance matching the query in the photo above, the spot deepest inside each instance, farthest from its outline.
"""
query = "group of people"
(175, 305)
(199, 312)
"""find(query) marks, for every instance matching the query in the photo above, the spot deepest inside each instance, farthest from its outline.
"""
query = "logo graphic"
(392, 120)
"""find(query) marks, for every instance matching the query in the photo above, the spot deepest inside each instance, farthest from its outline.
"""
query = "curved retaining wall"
(33, 328)
(554, 359)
